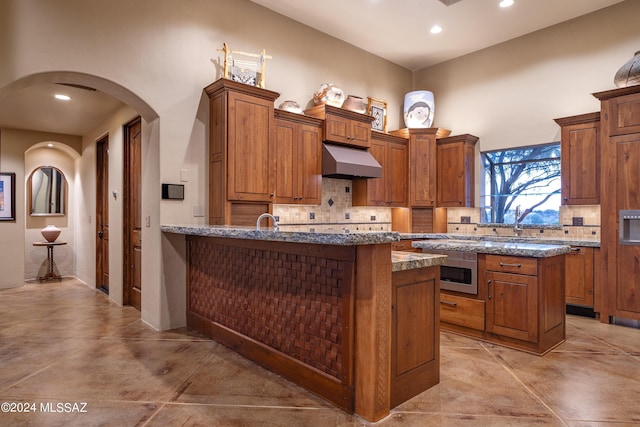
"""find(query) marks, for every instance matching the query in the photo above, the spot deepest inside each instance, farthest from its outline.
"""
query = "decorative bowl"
(50, 233)
(329, 93)
(354, 103)
(291, 106)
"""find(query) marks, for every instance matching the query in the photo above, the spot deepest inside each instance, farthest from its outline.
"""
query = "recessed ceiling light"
(62, 97)
(506, 3)
(436, 29)
(50, 145)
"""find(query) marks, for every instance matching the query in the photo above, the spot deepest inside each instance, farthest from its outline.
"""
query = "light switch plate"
(184, 175)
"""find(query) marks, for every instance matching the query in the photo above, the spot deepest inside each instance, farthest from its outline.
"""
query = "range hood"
(346, 162)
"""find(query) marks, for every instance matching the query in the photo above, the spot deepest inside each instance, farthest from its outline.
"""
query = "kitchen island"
(323, 310)
(519, 300)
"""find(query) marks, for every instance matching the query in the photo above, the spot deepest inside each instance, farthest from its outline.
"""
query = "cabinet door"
(415, 333)
(580, 164)
(397, 176)
(578, 276)
(451, 172)
(422, 170)
(512, 305)
(359, 134)
(336, 128)
(286, 133)
(310, 165)
(251, 161)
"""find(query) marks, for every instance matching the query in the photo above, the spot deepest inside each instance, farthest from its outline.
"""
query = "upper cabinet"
(580, 159)
(242, 152)
(298, 159)
(456, 171)
(343, 126)
(390, 190)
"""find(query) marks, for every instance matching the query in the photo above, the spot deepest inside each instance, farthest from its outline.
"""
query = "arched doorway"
(29, 101)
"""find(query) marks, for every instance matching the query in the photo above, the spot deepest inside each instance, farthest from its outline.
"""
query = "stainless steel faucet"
(267, 215)
(516, 222)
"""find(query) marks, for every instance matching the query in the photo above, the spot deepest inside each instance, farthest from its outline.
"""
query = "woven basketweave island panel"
(290, 302)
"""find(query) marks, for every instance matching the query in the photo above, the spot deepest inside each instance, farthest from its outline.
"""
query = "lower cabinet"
(579, 276)
(520, 303)
(415, 346)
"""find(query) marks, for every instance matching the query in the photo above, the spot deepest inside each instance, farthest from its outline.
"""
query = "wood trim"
(579, 119)
(304, 375)
(373, 334)
(221, 85)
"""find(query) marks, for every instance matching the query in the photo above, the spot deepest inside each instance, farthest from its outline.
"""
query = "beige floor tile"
(65, 342)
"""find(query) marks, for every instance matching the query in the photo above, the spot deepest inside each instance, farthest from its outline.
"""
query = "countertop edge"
(402, 261)
(510, 239)
(315, 238)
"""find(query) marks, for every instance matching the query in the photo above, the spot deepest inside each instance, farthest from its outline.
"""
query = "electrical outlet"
(312, 215)
(198, 211)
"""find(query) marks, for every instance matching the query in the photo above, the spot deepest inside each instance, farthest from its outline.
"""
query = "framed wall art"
(377, 108)
(7, 196)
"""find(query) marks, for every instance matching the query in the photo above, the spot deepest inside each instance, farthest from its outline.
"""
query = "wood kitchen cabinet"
(455, 171)
(580, 148)
(242, 152)
(579, 276)
(620, 174)
(343, 126)
(298, 159)
(525, 300)
(390, 190)
(415, 343)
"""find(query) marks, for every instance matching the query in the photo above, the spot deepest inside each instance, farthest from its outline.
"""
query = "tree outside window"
(528, 177)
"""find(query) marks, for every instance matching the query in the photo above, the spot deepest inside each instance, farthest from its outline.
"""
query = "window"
(528, 177)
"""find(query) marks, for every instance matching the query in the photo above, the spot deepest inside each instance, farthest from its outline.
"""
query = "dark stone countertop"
(509, 239)
(268, 234)
(410, 260)
(534, 250)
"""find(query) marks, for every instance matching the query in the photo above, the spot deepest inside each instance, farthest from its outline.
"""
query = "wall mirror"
(48, 191)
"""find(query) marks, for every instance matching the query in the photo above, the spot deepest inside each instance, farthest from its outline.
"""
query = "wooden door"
(512, 305)
(581, 164)
(102, 214)
(376, 187)
(628, 197)
(133, 213)
(450, 180)
(286, 133)
(422, 168)
(578, 276)
(415, 332)
(310, 155)
(397, 162)
(251, 161)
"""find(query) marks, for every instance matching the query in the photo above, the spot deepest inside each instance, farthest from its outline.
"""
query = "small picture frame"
(377, 108)
(7, 196)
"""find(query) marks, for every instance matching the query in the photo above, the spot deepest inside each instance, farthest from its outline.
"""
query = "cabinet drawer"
(512, 264)
(402, 245)
(462, 311)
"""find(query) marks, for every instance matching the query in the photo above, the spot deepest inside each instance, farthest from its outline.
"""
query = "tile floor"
(64, 343)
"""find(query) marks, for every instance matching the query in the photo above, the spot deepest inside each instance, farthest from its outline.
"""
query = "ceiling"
(397, 30)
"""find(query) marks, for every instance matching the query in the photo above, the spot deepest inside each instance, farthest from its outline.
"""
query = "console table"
(50, 275)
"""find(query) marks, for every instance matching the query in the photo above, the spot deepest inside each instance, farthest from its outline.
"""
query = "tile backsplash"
(578, 222)
(335, 211)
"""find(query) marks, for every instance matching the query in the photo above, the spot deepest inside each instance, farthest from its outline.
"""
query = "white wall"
(509, 94)
(13, 235)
